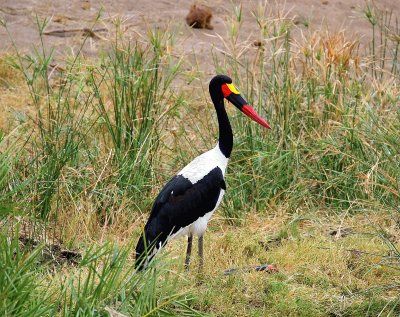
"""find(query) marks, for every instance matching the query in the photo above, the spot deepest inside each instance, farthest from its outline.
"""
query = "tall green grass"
(333, 142)
(103, 284)
(88, 149)
(137, 80)
(19, 289)
(54, 132)
(93, 136)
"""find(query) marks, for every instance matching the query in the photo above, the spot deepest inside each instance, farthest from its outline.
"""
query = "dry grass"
(14, 95)
(320, 274)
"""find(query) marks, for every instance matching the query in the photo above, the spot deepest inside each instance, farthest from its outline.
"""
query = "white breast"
(203, 164)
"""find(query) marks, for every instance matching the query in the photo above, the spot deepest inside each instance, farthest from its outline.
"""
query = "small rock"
(199, 17)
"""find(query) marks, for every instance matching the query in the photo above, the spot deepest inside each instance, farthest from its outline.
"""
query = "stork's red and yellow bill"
(232, 95)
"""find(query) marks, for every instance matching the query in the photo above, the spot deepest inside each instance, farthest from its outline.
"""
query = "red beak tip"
(251, 113)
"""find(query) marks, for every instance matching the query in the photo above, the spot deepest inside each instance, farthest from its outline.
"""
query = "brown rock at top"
(199, 17)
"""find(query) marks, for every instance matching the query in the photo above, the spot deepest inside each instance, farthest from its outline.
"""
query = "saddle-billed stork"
(186, 203)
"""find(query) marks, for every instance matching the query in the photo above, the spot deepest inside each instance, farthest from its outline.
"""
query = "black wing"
(178, 205)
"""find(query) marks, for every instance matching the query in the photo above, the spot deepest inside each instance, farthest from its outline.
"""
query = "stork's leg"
(188, 252)
(201, 254)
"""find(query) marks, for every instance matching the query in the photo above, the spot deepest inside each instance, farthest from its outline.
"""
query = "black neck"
(225, 130)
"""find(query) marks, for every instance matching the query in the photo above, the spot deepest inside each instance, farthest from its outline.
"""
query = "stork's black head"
(221, 87)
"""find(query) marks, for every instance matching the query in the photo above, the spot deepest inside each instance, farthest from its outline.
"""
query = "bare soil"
(71, 21)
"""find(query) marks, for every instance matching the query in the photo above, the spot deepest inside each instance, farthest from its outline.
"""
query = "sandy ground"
(140, 15)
